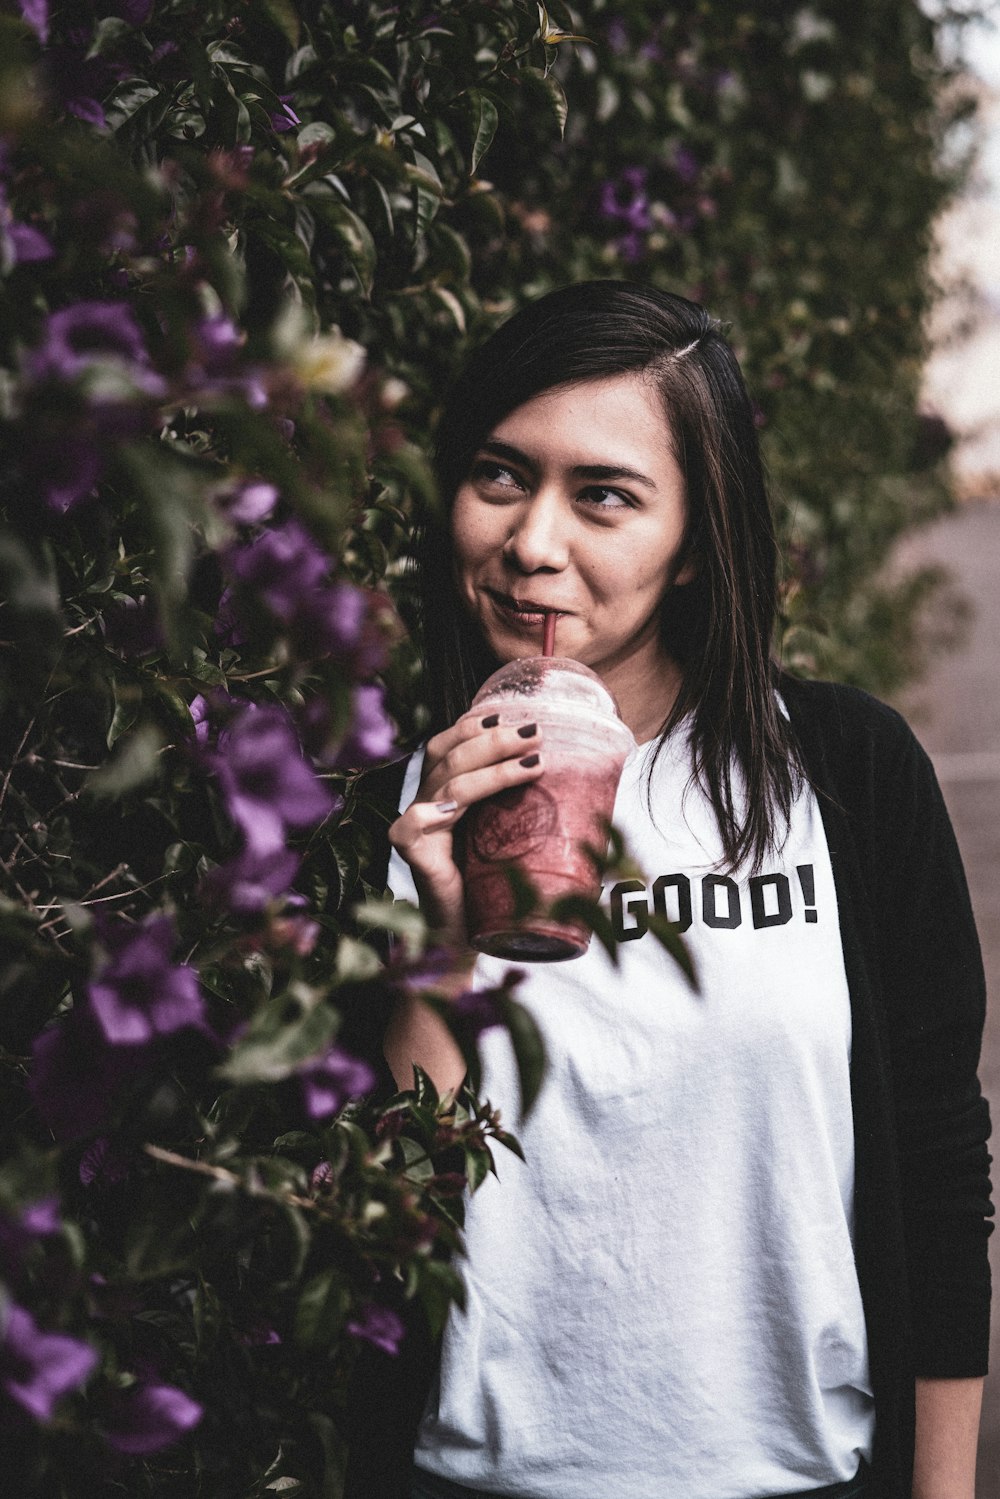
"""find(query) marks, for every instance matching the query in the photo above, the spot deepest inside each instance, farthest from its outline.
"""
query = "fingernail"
(529, 760)
(444, 807)
(492, 721)
(528, 730)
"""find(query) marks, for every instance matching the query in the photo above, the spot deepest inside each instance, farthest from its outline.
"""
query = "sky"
(963, 376)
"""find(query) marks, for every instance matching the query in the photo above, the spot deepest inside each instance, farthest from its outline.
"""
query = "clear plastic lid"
(567, 686)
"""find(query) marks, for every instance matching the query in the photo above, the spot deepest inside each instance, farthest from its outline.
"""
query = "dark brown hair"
(717, 627)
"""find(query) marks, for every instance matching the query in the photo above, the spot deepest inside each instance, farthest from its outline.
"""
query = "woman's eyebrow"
(600, 472)
(605, 471)
(508, 451)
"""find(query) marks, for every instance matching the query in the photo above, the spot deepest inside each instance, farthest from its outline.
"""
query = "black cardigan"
(922, 1191)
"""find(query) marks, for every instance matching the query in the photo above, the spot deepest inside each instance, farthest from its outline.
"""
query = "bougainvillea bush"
(200, 1220)
(242, 250)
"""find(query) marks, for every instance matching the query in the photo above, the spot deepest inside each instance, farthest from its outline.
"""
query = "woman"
(746, 1255)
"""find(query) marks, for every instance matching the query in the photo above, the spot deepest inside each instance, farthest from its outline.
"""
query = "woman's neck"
(645, 688)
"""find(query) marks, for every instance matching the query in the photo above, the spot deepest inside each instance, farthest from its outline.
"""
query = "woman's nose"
(538, 541)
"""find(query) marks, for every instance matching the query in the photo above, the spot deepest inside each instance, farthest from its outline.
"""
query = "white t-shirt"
(663, 1300)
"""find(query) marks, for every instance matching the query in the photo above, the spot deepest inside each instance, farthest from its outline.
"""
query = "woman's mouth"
(528, 613)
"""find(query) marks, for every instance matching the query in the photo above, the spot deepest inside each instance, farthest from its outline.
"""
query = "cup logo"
(514, 823)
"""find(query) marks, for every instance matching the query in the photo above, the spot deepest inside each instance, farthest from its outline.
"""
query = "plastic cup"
(538, 831)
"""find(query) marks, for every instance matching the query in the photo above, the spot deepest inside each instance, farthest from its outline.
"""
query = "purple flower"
(217, 368)
(89, 110)
(632, 247)
(285, 118)
(200, 712)
(250, 882)
(333, 618)
(329, 1083)
(37, 1368)
(42, 1217)
(35, 13)
(78, 78)
(617, 35)
(378, 1325)
(27, 245)
(280, 567)
(476, 1011)
(139, 993)
(258, 1334)
(267, 784)
(65, 473)
(75, 336)
(322, 1177)
(249, 503)
(75, 1076)
(686, 165)
(18, 1232)
(91, 338)
(297, 932)
(227, 626)
(103, 1163)
(372, 735)
(149, 1417)
(216, 340)
(625, 201)
(286, 571)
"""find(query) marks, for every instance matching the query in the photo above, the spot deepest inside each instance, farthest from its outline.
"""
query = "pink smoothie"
(540, 830)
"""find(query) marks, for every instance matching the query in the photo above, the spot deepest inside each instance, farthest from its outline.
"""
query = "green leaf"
(416, 1162)
(397, 916)
(671, 940)
(322, 1310)
(590, 913)
(316, 133)
(510, 1142)
(351, 232)
(529, 1050)
(477, 1168)
(550, 92)
(286, 18)
(427, 1094)
(106, 36)
(289, 1029)
(484, 120)
(136, 759)
(356, 960)
(440, 1287)
(128, 707)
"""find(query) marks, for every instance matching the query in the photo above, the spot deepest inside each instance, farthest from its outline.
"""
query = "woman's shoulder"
(861, 753)
(845, 717)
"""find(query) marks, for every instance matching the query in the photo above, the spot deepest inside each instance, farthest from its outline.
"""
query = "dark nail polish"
(528, 730)
(529, 760)
(492, 721)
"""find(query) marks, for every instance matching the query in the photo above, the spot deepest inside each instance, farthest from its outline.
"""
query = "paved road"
(956, 713)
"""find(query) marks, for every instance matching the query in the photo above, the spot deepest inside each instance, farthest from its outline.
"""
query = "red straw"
(549, 640)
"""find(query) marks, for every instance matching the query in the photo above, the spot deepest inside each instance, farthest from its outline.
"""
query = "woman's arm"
(474, 759)
(415, 1034)
(944, 1463)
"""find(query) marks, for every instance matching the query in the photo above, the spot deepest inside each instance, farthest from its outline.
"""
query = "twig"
(219, 1173)
(15, 759)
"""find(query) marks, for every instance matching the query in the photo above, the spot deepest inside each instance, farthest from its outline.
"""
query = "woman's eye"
(603, 498)
(486, 471)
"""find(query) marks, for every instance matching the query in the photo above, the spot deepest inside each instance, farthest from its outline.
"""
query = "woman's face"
(575, 503)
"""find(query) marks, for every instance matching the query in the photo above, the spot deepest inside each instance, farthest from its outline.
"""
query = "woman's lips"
(522, 611)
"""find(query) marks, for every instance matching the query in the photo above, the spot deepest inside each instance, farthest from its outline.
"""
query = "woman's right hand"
(475, 758)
